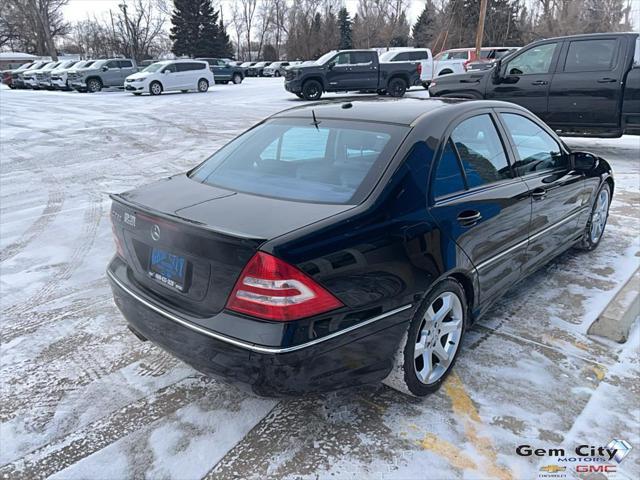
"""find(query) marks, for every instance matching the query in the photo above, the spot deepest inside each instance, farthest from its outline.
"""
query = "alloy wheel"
(156, 89)
(599, 215)
(438, 337)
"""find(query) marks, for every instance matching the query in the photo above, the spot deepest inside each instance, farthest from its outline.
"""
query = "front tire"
(94, 85)
(203, 85)
(312, 90)
(594, 229)
(155, 88)
(431, 345)
(397, 87)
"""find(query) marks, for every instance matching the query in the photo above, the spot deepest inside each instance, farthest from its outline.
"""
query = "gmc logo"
(596, 468)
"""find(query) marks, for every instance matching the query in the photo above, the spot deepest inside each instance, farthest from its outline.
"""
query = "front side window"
(536, 60)
(112, 64)
(481, 151)
(125, 64)
(591, 55)
(537, 150)
(170, 68)
(337, 162)
(448, 177)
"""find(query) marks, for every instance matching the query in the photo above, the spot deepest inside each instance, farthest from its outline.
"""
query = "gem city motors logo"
(583, 459)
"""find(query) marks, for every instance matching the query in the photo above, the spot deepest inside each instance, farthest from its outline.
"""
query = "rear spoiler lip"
(118, 198)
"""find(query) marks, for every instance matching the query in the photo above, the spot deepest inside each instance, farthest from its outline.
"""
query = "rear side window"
(188, 66)
(401, 57)
(337, 162)
(481, 151)
(361, 57)
(448, 178)
(537, 150)
(597, 55)
(419, 55)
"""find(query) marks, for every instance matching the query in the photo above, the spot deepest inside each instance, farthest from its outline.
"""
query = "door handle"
(540, 82)
(469, 218)
(607, 80)
(539, 193)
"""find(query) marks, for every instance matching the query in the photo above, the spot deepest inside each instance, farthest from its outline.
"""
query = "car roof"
(405, 111)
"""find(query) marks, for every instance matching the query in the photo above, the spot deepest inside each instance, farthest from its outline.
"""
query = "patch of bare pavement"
(82, 398)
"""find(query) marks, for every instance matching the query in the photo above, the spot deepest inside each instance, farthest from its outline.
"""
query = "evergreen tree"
(344, 25)
(196, 30)
(424, 29)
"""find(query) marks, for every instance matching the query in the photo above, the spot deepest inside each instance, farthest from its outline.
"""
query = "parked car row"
(94, 75)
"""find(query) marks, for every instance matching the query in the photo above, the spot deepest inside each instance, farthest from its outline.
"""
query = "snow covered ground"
(83, 398)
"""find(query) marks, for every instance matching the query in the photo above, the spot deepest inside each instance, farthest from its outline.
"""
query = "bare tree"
(265, 20)
(248, 11)
(138, 26)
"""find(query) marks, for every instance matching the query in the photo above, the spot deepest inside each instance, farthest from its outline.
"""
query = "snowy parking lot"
(84, 398)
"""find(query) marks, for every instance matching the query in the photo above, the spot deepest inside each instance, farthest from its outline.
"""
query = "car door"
(559, 199)
(111, 74)
(478, 202)
(587, 86)
(339, 72)
(525, 78)
(126, 69)
(170, 77)
(221, 70)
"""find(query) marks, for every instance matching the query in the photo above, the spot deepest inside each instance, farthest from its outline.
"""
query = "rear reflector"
(419, 68)
(272, 289)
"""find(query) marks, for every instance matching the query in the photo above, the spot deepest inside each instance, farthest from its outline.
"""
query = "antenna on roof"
(315, 120)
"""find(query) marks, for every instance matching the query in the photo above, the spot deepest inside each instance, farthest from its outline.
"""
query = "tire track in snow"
(58, 455)
(23, 317)
(52, 208)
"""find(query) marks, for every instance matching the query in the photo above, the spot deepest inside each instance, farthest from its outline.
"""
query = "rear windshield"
(335, 162)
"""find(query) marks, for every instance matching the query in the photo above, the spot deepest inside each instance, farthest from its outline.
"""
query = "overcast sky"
(80, 9)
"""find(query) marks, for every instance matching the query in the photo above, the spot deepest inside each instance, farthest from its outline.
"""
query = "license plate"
(168, 269)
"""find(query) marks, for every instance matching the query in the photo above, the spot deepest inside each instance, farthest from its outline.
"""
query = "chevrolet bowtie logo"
(553, 469)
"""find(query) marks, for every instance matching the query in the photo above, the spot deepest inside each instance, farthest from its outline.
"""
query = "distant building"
(9, 60)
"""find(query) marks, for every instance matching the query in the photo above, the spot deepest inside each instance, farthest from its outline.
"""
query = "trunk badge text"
(129, 219)
(155, 232)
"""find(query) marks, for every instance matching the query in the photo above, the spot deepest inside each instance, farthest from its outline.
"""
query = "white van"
(182, 75)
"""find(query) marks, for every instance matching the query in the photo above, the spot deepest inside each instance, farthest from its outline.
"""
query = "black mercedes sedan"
(344, 243)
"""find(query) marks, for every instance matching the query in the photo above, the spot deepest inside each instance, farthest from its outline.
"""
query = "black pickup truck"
(579, 85)
(351, 70)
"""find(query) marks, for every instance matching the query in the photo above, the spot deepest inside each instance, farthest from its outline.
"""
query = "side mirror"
(331, 65)
(166, 71)
(105, 68)
(583, 161)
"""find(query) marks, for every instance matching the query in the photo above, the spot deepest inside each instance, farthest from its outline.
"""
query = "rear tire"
(430, 347)
(94, 85)
(276, 74)
(155, 88)
(311, 90)
(203, 85)
(594, 230)
(237, 79)
(397, 87)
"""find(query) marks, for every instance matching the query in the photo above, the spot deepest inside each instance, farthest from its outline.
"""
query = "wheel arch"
(469, 291)
(402, 76)
(317, 78)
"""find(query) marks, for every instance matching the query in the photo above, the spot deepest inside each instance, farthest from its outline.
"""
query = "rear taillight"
(419, 69)
(272, 289)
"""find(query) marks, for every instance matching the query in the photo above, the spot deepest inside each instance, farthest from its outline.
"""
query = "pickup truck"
(101, 73)
(351, 70)
(579, 85)
(224, 71)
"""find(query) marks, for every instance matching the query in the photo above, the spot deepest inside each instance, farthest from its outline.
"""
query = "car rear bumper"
(347, 357)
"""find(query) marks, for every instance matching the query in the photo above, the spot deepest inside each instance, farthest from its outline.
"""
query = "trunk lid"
(186, 242)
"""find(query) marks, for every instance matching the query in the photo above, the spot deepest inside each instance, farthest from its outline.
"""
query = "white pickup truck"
(431, 68)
